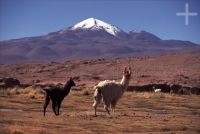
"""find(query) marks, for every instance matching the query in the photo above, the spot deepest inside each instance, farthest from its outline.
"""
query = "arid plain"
(136, 112)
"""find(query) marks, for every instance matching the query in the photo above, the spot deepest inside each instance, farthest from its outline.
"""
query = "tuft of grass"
(13, 91)
(9, 91)
(166, 129)
(14, 129)
(42, 132)
(29, 92)
(32, 95)
(17, 132)
(198, 131)
(184, 128)
(86, 92)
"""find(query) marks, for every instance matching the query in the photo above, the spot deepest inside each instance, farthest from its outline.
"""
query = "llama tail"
(97, 96)
(47, 89)
(94, 88)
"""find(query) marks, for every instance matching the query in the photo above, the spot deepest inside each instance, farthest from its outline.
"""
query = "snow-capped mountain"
(95, 24)
(90, 38)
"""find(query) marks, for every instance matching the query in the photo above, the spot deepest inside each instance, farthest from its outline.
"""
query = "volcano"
(88, 39)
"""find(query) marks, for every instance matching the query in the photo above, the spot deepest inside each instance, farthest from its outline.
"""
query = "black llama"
(56, 95)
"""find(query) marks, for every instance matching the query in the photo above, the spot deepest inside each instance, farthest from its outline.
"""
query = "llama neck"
(67, 88)
(124, 82)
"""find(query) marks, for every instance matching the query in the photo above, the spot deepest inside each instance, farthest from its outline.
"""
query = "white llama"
(111, 91)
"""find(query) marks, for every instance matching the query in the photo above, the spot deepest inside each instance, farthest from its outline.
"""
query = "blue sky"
(25, 18)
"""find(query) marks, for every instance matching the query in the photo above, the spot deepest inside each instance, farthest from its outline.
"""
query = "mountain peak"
(95, 24)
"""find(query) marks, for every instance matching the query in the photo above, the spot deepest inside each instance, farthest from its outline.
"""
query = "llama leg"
(46, 102)
(58, 107)
(96, 103)
(54, 107)
(106, 104)
(112, 108)
(106, 108)
(97, 100)
(95, 107)
(113, 105)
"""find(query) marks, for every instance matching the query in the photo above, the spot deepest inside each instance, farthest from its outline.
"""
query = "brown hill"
(182, 69)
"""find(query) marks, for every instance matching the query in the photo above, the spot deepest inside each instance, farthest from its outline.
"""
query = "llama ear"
(129, 69)
(125, 70)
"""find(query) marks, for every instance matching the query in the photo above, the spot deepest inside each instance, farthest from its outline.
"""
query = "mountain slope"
(90, 38)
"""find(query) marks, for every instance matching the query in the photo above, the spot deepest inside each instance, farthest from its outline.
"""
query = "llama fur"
(56, 94)
(111, 91)
(157, 89)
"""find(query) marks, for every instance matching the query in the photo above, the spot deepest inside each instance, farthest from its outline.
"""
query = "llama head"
(127, 72)
(72, 82)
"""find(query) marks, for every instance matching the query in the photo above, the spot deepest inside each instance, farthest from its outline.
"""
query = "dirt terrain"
(135, 113)
(21, 108)
(180, 69)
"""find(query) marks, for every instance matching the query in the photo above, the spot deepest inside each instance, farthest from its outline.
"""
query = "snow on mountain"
(95, 24)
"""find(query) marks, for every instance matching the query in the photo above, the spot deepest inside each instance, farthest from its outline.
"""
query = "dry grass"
(21, 109)
(28, 91)
(135, 113)
(15, 129)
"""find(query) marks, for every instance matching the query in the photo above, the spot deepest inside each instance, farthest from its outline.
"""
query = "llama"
(111, 91)
(56, 95)
(157, 89)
